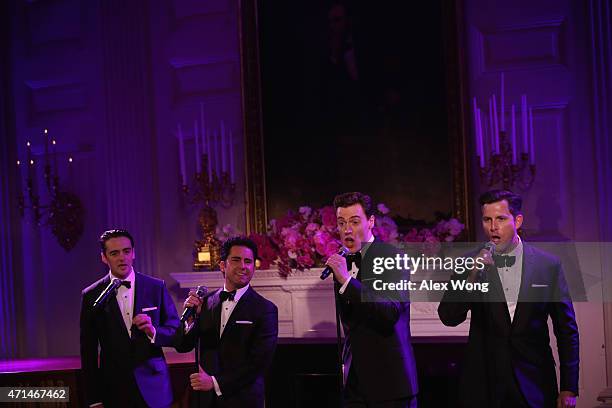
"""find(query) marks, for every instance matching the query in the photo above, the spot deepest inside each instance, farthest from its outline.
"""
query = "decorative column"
(129, 149)
(10, 286)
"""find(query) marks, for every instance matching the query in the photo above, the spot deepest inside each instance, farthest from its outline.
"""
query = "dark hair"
(355, 197)
(237, 241)
(114, 233)
(515, 201)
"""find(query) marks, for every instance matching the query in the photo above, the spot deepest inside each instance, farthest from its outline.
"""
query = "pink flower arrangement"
(306, 239)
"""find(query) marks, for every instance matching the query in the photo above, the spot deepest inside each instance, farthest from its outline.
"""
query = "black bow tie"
(353, 259)
(227, 295)
(502, 261)
(125, 283)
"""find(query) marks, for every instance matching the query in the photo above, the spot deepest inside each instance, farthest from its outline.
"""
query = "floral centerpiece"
(306, 238)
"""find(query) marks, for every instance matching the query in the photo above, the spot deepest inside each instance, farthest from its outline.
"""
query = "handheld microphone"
(482, 274)
(201, 291)
(343, 252)
(490, 246)
(114, 284)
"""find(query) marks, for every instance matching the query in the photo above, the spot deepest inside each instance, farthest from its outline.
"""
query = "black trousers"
(354, 398)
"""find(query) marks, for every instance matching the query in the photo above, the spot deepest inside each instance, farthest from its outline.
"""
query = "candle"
(491, 126)
(209, 156)
(29, 162)
(476, 131)
(182, 155)
(513, 140)
(203, 128)
(46, 132)
(531, 146)
(503, 100)
(216, 150)
(223, 148)
(231, 157)
(480, 142)
(54, 148)
(496, 125)
(524, 121)
(196, 136)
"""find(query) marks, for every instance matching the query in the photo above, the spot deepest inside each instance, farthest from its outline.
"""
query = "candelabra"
(506, 168)
(209, 190)
(504, 165)
(63, 213)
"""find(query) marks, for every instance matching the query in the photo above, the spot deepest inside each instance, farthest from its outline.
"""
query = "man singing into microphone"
(509, 361)
(237, 329)
(378, 361)
(130, 325)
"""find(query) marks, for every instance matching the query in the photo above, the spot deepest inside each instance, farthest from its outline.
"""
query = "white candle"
(203, 128)
(531, 147)
(524, 122)
(480, 141)
(476, 135)
(216, 152)
(182, 155)
(196, 136)
(223, 148)
(513, 140)
(503, 100)
(486, 133)
(496, 124)
(491, 126)
(209, 155)
(231, 157)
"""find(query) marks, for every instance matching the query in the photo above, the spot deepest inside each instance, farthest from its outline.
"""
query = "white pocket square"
(538, 285)
(148, 309)
(244, 322)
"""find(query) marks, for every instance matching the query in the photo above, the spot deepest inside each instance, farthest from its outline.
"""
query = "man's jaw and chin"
(122, 273)
(504, 247)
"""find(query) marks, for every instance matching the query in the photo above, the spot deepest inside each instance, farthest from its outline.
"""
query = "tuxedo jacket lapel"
(523, 306)
(242, 305)
(140, 294)
(497, 301)
(113, 313)
(215, 310)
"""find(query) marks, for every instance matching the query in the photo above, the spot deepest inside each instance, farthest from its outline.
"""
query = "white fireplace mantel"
(306, 304)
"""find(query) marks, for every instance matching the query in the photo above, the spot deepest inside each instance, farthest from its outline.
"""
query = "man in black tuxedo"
(131, 326)
(509, 362)
(378, 361)
(237, 329)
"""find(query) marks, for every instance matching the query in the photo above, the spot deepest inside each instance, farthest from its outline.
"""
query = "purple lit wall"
(558, 53)
(112, 79)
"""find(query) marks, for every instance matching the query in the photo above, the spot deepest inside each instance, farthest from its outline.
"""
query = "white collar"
(239, 292)
(130, 278)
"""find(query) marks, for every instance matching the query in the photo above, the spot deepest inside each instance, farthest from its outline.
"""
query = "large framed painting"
(354, 96)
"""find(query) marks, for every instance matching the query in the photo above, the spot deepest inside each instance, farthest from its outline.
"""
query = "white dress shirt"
(510, 278)
(125, 299)
(228, 306)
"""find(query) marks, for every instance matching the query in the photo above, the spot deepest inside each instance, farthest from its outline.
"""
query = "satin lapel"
(214, 306)
(497, 301)
(523, 307)
(242, 305)
(139, 294)
(113, 313)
